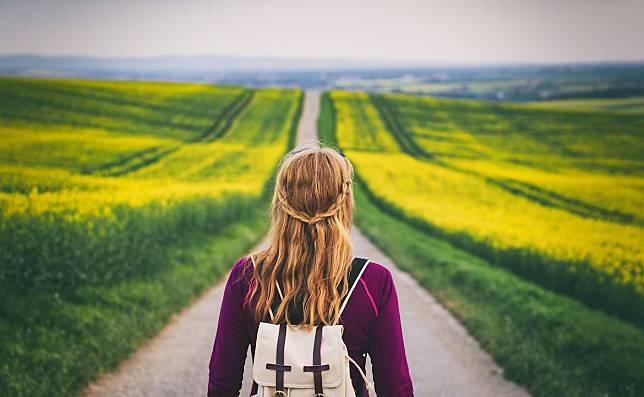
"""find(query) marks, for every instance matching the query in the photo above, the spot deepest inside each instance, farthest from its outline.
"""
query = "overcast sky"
(460, 31)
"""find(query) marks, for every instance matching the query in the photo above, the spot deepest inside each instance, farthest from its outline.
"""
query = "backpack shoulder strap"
(358, 265)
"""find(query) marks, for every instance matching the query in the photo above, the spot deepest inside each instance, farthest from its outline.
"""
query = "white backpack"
(292, 362)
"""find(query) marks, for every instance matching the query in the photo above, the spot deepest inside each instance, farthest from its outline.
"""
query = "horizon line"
(399, 63)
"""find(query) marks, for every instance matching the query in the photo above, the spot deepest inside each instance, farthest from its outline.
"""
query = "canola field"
(554, 194)
(94, 174)
(119, 203)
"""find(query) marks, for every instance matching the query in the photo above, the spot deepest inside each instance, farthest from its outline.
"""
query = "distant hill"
(191, 63)
(514, 82)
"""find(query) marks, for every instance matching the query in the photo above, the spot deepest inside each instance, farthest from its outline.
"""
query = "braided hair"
(310, 250)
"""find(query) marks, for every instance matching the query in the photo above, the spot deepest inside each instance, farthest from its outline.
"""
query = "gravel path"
(444, 359)
(307, 128)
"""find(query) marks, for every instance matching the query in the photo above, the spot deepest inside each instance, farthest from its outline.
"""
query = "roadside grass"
(55, 346)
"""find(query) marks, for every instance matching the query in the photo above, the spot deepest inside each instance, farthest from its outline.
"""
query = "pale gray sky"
(468, 31)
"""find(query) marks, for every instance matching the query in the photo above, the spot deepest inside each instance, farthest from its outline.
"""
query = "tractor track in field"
(444, 359)
(406, 141)
(408, 144)
(225, 119)
(149, 156)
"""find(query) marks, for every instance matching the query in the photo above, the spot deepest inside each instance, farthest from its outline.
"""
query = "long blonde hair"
(310, 250)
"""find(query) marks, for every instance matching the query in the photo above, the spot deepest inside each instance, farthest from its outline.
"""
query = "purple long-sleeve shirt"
(371, 322)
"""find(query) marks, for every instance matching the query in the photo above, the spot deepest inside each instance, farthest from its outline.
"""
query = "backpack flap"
(298, 353)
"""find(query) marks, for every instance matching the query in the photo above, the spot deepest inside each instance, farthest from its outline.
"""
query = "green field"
(626, 105)
(461, 192)
(110, 194)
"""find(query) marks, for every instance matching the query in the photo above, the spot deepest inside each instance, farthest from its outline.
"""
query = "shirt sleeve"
(231, 342)
(387, 348)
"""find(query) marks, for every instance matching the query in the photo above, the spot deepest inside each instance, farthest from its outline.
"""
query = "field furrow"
(405, 140)
(225, 120)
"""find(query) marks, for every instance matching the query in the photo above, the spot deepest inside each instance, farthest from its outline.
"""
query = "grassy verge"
(54, 346)
(551, 344)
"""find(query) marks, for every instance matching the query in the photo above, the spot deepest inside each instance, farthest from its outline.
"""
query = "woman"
(310, 255)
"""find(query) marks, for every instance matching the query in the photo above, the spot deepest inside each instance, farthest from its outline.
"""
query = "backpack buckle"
(277, 393)
(318, 395)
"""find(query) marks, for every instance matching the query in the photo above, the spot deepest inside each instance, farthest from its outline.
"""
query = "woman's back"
(371, 323)
(308, 264)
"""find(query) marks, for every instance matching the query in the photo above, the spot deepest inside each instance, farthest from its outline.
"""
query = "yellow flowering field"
(94, 174)
(555, 195)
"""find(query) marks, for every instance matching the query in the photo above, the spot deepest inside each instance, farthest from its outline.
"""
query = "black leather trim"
(317, 359)
(316, 368)
(278, 367)
(281, 341)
